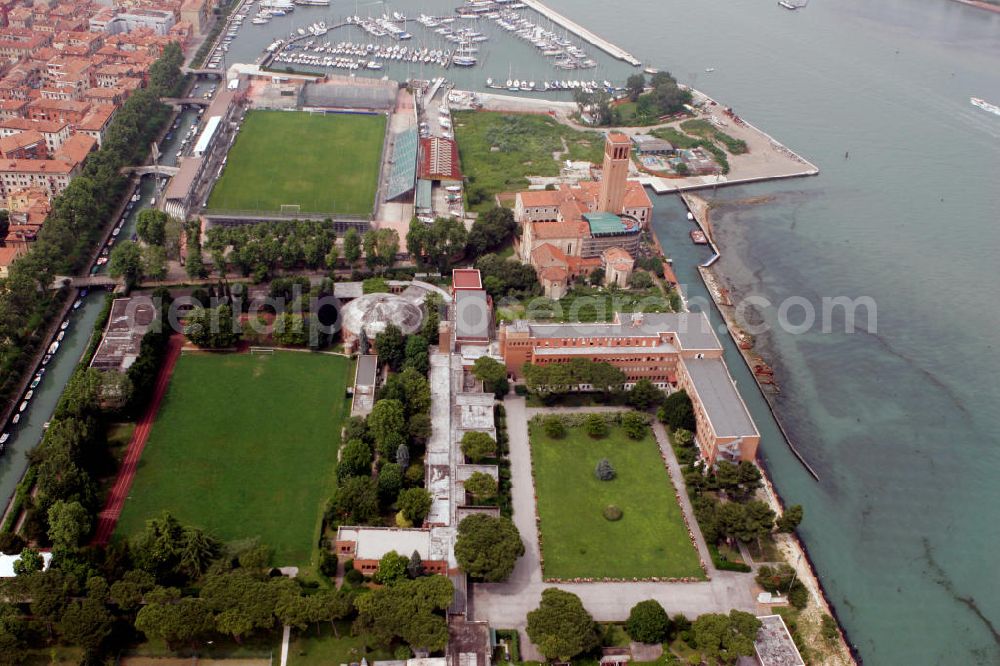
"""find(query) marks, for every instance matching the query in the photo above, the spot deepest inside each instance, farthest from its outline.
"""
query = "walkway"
(108, 518)
(506, 605)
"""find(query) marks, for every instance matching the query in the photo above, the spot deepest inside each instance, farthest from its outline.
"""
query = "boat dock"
(583, 33)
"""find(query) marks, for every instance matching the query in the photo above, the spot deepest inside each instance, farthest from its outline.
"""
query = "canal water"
(26, 435)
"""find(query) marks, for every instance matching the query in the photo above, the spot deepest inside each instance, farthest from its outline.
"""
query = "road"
(506, 605)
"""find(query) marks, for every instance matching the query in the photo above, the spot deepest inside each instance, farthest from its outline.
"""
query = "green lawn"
(499, 151)
(245, 446)
(310, 648)
(323, 163)
(650, 540)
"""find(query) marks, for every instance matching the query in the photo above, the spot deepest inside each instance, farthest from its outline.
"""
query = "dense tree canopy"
(648, 622)
(410, 610)
(391, 347)
(487, 548)
(678, 412)
(438, 243)
(725, 638)
(477, 446)
(491, 230)
(216, 328)
(561, 627)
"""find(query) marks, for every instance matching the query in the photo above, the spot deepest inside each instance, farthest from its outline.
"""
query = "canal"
(28, 432)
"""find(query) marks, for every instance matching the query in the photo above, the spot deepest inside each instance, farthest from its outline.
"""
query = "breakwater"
(581, 32)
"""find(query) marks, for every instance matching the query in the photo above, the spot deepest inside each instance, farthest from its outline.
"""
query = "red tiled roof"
(553, 230)
(538, 198)
(439, 159)
(466, 278)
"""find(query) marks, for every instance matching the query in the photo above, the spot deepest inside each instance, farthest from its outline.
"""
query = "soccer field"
(650, 540)
(245, 446)
(322, 163)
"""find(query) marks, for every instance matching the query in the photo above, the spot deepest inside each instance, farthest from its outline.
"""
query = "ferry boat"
(985, 106)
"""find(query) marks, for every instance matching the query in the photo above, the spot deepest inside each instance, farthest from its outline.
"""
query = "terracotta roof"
(547, 255)
(76, 148)
(20, 140)
(538, 198)
(553, 274)
(43, 126)
(618, 137)
(97, 118)
(466, 278)
(439, 159)
(616, 254)
(554, 230)
(11, 252)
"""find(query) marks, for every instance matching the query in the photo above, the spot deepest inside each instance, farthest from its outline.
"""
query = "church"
(574, 229)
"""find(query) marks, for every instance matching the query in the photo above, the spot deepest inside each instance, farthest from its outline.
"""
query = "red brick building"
(672, 350)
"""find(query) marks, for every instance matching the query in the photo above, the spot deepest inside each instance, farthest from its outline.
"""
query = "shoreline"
(791, 545)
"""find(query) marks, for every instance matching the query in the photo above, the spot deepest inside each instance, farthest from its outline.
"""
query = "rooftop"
(607, 224)
(466, 278)
(128, 322)
(725, 408)
(691, 329)
(472, 314)
(774, 644)
(374, 542)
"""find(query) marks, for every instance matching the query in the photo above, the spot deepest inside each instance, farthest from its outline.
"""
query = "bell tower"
(616, 158)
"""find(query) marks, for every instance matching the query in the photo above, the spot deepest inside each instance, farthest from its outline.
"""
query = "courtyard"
(322, 163)
(245, 446)
(650, 540)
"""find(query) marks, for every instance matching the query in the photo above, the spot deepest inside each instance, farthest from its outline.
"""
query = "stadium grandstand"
(403, 175)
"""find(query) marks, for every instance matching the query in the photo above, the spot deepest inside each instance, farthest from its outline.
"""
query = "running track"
(108, 518)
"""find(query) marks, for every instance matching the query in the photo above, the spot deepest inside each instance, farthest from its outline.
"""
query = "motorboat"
(24, 406)
(54, 347)
(16, 419)
(36, 381)
(63, 326)
(46, 359)
(29, 395)
(62, 334)
(79, 302)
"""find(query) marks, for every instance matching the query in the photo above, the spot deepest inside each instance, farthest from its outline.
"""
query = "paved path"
(506, 605)
(108, 518)
(285, 635)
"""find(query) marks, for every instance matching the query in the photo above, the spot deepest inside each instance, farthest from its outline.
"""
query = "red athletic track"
(108, 518)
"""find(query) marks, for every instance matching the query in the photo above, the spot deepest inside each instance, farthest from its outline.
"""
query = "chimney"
(444, 337)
